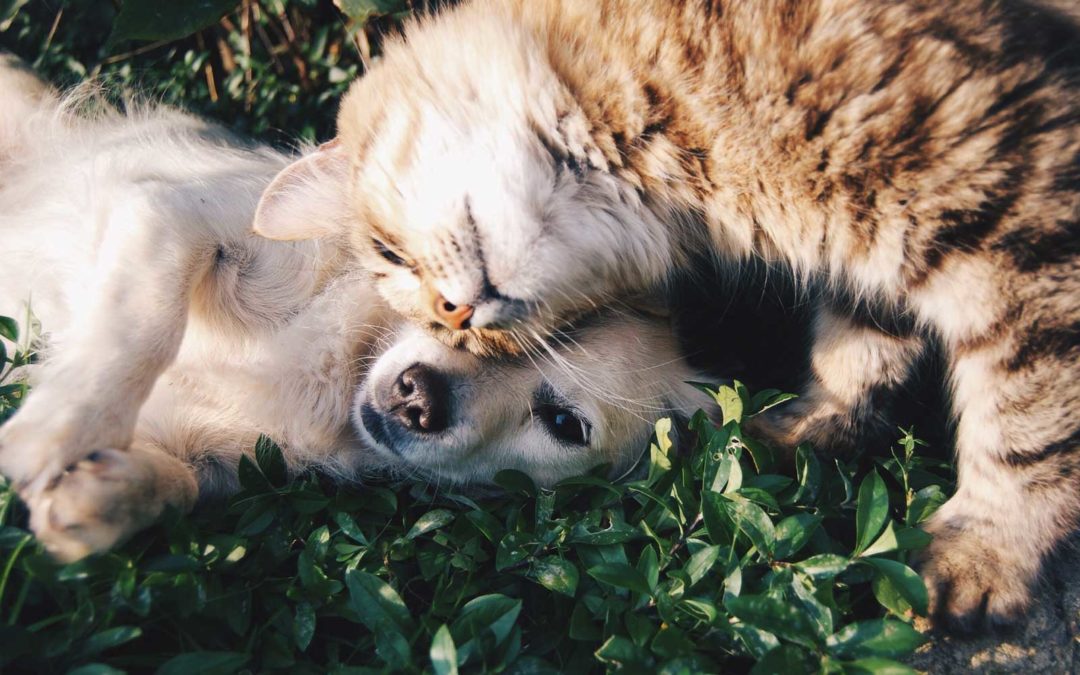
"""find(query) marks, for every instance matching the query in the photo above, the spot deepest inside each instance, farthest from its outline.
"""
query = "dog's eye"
(388, 255)
(564, 424)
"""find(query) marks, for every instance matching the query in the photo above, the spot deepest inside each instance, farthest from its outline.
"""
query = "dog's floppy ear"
(307, 199)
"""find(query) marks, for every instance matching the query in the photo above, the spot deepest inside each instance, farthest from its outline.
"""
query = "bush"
(721, 559)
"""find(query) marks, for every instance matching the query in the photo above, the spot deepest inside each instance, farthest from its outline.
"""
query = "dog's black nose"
(419, 399)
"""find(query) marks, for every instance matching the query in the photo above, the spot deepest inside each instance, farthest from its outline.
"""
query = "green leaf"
(94, 668)
(349, 528)
(877, 666)
(782, 619)
(515, 482)
(923, 505)
(872, 510)
(701, 562)
(251, 478)
(784, 660)
(731, 404)
(767, 398)
(907, 583)
(749, 518)
(620, 576)
(714, 512)
(885, 543)
(155, 20)
(303, 625)
(443, 653)
(483, 620)
(618, 650)
(432, 520)
(556, 574)
(376, 603)
(824, 565)
(9, 329)
(793, 532)
(880, 637)
(808, 471)
(204, 663)
(271, 461)
(363, 10)
(109, 638)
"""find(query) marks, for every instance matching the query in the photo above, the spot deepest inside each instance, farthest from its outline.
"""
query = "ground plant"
(718, 556)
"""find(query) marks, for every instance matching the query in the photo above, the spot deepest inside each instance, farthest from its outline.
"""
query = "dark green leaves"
(882, 637)
(714, 556)
(154, 20)
(873, 510)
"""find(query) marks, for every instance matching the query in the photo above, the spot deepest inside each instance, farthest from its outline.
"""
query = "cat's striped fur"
(535, 158)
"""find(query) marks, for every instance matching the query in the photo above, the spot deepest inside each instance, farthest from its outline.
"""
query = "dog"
(175, 337)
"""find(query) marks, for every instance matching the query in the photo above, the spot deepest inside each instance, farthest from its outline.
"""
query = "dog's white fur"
(175, 337)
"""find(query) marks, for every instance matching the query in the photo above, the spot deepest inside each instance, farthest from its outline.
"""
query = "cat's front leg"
(1018, 459)
(129, 319)
(853, 363)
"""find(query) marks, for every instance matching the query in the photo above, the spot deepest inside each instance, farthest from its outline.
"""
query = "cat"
(510, 166)
(175, 338)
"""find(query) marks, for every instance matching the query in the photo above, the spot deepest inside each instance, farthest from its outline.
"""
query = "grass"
(718, 559)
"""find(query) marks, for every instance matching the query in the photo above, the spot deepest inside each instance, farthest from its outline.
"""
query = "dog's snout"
(420, 399)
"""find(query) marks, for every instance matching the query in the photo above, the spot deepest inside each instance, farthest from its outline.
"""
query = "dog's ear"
(308, 198)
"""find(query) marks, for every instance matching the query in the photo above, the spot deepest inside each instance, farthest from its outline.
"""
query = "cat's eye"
(388, 255)
(563, 423)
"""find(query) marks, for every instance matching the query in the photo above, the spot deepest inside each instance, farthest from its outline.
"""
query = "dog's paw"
(103, 498)
(974, 583)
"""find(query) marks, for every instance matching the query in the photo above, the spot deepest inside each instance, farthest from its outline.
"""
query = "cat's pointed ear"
(307, 199)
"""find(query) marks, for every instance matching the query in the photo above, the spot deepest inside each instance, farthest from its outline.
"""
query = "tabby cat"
(511, 165)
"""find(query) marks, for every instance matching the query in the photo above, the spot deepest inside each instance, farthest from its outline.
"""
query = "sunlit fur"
(174, 337)
(536, 158)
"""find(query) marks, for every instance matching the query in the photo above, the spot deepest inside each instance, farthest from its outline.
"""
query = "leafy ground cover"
(719, 558)
(716, 560)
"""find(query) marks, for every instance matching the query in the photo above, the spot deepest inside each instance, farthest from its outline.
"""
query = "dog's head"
(557, 411)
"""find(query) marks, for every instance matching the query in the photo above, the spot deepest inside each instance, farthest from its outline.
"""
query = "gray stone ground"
(1049, 641)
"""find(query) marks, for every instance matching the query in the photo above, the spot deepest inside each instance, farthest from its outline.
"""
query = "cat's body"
(519, 163)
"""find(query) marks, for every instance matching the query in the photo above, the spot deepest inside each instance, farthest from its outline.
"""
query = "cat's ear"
(307, 199)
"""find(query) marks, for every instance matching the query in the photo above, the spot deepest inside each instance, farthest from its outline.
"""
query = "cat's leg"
(1017, 398)
(108, 495)
(854, 362)
(128, 322)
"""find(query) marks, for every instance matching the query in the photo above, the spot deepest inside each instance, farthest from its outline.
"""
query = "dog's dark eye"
(564, 424)
(388, 255)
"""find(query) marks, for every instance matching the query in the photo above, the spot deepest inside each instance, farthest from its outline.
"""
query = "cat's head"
(466, 179)
(451, 417)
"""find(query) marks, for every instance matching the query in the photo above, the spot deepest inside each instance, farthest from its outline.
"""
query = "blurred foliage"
(273, 69)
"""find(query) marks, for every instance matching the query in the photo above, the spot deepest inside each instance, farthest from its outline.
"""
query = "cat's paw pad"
(973, 586)
(94, 503)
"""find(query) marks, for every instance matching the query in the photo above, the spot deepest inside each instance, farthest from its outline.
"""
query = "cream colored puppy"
(175, 337)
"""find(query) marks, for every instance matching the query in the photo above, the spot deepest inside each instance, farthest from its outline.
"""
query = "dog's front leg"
(128, 318)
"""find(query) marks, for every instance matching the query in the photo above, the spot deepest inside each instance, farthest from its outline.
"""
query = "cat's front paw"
(805, 420)
(975, 582)
(103, 498)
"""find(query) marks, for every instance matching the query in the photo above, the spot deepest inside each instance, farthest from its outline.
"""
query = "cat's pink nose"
(452, 316)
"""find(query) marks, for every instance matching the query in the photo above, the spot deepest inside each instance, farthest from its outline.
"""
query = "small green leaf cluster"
(17, 349)
(718, 559)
